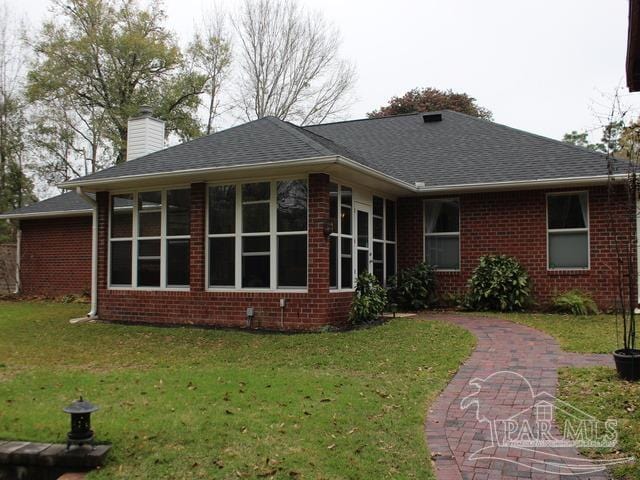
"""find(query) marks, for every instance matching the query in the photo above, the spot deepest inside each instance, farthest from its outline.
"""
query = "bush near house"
(413, 288)
(574, 302)
(369, 300)
(499, 283)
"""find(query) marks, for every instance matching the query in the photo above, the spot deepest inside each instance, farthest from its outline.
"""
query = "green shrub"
(498, 283)
(369, 301)
(575, 302)
(413, 288)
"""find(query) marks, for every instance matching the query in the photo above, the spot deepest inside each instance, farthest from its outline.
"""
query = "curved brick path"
(454, 434)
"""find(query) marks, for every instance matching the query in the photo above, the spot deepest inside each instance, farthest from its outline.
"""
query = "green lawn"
(191, 403)
(599, 392)
(584, 334)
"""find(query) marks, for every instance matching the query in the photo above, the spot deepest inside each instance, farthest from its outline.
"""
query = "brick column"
(410, 232)
(196, 257)
(318, 242)
(103, 238)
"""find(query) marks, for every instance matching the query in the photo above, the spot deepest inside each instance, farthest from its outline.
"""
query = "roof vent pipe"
(432, 117)
(145, 134)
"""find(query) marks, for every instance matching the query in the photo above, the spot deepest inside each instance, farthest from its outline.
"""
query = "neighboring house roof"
(459, 151)
(67, 204)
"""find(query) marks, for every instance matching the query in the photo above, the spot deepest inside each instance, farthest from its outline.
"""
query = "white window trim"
(339, 236)
(135, 238)
(273, 235)
(442, 234)
(586, 230)
(384, 241)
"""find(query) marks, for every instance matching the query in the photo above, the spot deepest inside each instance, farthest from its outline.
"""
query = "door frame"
(368, 209)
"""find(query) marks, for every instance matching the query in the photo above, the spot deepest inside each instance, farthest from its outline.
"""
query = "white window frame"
(135, 238)
(586, 230)
(339, 236)
(385, 241)
(238, 235)
(443, 234)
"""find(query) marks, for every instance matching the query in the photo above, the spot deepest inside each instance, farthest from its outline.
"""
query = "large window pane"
(254, 192)
(346, 274)
(378, 261)
(292, 261)
(222, 262)
(149, 263)
(122, 216)
(443, 252)
(255, 271)
(363, 229)
(345, 220)
(333, 206)
(442, 216)
(149, 214)
(391, 260)
(390, 220)
(255, 217)
(568, 250)
(346, 195)
(222, 209)
(178, 212)
(178, 262)
(292, 206)
(333, 262)
(148, 273)
(256, 244)
(567, 211)
(121, 263)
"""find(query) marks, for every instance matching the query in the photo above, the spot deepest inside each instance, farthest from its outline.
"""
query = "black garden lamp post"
(81, 433)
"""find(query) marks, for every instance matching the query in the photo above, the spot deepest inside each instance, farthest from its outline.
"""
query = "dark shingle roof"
(261, 141)
(67, 202)
(460, 150)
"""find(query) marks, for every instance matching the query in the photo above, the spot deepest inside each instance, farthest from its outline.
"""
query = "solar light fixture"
(81, 433)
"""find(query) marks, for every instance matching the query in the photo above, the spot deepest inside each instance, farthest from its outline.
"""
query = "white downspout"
(18, 244)
(94, 253)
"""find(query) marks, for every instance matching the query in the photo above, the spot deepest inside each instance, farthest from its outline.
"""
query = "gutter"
(35, 215)
(93, 313)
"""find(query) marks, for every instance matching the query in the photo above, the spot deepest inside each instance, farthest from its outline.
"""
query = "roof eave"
(198, 174)
(37, 215)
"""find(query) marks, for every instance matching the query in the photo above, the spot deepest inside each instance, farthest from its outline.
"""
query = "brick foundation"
(55, 256)
(514, 223)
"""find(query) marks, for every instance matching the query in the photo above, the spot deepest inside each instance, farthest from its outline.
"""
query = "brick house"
(267, 224)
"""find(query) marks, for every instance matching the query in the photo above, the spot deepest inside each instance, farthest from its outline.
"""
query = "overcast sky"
(548, 66)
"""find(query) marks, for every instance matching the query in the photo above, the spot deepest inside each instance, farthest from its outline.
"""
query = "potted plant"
(621, 146)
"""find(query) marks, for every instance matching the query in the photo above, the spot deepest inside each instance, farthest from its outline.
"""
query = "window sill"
(448, 272)
(568, 271)
(151, 289)
(256, 290)
(342, 290)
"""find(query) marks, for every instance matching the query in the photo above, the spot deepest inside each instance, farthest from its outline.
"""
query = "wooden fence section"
(7, 267)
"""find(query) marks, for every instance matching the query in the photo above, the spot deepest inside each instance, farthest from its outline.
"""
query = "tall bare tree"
(15, 188)
(289, 63)
(211, 53)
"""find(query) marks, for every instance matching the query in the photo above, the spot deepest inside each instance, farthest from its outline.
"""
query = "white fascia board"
(180, 176)
(35, 215)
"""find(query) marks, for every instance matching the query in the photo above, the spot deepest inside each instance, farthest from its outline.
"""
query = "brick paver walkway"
(461, 444)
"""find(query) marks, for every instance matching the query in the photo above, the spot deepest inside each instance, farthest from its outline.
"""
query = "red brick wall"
(304, 311)
(55, 256)
(514, 223)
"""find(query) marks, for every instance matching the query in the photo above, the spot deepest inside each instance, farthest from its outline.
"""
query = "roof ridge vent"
(432, 117)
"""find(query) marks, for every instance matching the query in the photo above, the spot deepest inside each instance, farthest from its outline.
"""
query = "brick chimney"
(145, 134)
